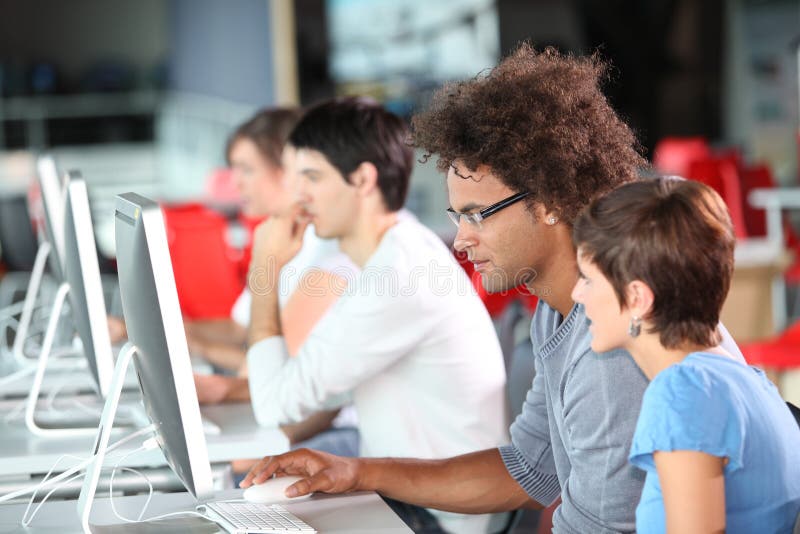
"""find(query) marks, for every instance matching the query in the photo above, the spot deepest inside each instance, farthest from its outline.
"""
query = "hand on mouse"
(321, 471)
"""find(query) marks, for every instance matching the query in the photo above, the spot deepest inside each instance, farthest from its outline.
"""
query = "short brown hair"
(674, 235)
(540, 122)
(351, 130)
(268, 129)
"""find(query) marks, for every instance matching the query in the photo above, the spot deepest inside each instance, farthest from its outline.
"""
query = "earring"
(635, 328)
(551, 221)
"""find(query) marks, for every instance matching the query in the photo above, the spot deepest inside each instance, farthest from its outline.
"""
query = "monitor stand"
(44, 356)
(89, 488)
(21, 335)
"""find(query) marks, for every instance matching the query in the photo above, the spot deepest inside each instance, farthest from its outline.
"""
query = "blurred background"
(143, 94)
(152, 88)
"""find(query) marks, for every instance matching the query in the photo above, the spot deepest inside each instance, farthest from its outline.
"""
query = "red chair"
(221, 188)
(722, 175)
(674, 155)
(780, 353)
(206, 268)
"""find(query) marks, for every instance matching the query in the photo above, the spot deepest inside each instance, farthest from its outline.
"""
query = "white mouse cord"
(17, 412)
(43, 484)
(176, 514)
(27, 522)
(145, 446)
(70, 472)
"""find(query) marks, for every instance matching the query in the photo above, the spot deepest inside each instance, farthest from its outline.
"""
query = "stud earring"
(635, 328)
(551, 221)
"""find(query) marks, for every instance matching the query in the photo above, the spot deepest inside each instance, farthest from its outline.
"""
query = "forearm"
(224, 356)
(217, 331)
(264, 311)
(473, 483)
(238, 390)
(309, 427)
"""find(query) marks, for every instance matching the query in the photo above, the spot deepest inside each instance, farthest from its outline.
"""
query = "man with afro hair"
(525, 148)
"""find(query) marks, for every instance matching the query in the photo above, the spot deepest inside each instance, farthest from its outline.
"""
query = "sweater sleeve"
(529, 458)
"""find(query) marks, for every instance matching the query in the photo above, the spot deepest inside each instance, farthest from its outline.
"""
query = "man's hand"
(279, 238)
(116, 329)
(321, 471)
(211, 389)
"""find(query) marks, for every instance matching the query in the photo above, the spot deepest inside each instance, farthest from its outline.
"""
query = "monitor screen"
(155, 328)
(82, 273)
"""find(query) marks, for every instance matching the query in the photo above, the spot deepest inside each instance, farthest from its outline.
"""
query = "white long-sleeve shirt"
(411, 343)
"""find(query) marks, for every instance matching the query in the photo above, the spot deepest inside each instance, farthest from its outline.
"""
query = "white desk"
(359, 513)
(22, 453)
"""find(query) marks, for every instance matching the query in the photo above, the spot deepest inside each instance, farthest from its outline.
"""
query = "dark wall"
(221, 48)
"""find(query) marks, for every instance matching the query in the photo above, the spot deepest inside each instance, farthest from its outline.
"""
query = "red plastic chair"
(206, 268)
(221, 188)
(780, 353)
(722, 175)
(674, 155)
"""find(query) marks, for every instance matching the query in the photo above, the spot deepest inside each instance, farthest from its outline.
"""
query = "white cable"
(29, 520)
(51, 396)
(26, 522)
(12, 309)
(16, 375)
(146, 503)
(144, 447)
(44, 481)
(18, 412)
(174, 514)
(66, 474)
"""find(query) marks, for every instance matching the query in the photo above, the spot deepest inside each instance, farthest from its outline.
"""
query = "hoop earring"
(635, 327)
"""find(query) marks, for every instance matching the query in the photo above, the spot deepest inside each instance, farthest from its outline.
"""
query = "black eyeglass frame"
(476, 218)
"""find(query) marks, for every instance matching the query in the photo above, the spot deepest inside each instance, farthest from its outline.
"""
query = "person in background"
(255, 153)
(718, 444)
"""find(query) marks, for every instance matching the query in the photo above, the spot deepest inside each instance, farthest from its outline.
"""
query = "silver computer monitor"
(155, 328)
(82, 273)
(51, 190)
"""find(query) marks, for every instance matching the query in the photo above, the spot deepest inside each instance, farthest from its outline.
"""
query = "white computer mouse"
(272, 491)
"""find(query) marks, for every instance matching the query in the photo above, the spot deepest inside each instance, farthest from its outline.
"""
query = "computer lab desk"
(22, 453)
(357, 513)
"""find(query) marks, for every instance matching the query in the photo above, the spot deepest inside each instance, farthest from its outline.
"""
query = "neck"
(555, 280)
(366, 235)
(652, 357)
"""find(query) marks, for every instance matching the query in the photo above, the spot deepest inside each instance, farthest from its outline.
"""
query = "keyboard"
(240, 517)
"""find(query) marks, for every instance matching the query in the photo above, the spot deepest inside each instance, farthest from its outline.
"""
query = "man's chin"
(495, 282)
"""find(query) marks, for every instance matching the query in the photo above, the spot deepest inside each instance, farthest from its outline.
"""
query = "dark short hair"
(350, 131)
(541, 124)
(268, 129)
(674, 235)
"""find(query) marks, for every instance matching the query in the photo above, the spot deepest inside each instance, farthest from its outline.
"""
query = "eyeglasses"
(475, 219)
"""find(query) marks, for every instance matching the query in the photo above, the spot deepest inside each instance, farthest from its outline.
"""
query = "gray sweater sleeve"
(529, 458)
(601, 400)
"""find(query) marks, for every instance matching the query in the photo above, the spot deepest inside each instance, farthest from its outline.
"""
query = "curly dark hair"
(540, 122)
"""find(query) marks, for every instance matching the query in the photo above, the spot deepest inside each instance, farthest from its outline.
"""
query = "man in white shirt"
(409, 341)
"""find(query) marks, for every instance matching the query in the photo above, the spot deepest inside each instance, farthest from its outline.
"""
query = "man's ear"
(365, 178)
(639, 298)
